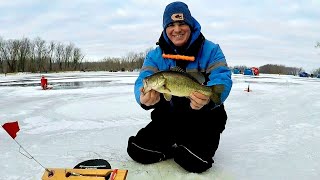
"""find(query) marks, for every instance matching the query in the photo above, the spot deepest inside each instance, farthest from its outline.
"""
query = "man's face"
(178, 33)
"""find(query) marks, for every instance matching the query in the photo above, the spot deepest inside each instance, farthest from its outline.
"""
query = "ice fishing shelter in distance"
(236, 71)
(251, 71)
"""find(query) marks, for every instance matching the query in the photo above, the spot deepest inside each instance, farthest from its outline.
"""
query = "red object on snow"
(255, 71)
(44, 83)
(12, 128)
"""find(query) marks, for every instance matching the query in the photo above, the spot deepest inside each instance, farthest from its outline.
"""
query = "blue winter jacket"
(210, 60)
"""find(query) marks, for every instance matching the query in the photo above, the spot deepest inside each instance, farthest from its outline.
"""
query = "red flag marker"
(12, 128)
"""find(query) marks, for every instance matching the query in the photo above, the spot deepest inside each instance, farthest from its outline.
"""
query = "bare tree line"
(316, 71)
(280, 69)
(131, 62)
(37, 55)
(274, 69)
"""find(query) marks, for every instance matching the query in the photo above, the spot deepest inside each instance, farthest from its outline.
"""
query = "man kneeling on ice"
(186, 129)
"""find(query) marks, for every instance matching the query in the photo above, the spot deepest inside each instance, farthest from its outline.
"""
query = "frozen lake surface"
(273, 132)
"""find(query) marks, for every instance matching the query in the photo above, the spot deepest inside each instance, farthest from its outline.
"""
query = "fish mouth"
(145, 86)
(145, 90)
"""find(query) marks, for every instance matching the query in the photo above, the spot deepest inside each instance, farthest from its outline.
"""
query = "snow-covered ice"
(272, 132)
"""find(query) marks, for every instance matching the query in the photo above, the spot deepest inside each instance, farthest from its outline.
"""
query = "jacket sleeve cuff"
(211, 105)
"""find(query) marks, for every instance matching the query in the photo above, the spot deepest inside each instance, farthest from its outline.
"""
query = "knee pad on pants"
(190, 161)
(142, 154)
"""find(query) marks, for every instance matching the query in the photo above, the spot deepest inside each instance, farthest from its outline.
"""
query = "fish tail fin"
(216, 93)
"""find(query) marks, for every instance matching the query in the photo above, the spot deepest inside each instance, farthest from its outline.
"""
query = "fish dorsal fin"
(181, 71)
(177, 69)
(196, 76)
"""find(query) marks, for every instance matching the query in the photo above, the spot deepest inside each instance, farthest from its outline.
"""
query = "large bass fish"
(182, 84)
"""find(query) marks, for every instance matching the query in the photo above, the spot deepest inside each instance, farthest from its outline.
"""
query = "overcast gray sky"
(251, 33)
